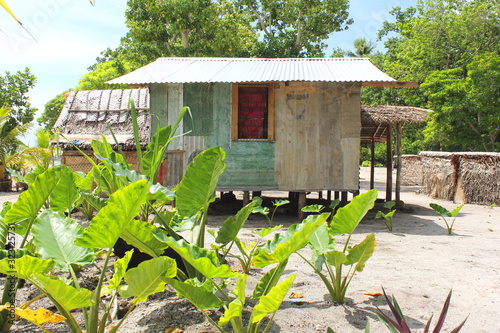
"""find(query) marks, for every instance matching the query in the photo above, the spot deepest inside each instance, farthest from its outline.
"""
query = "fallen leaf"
(172, 330)
(39, 316)
(373, 293)
(296, 295)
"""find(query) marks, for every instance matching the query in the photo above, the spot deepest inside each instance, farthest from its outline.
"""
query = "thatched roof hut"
(378, 122)
(88, 113)
(378, 119)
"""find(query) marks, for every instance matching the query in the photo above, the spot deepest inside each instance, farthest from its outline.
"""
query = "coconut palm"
(362, 48)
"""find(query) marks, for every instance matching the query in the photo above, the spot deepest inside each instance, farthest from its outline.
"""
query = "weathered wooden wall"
(317, 136)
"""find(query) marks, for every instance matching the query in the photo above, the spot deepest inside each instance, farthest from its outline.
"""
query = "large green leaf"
(54, 235)
(235, 308)
(335, 258)
(59, 292)
(281, 247)
(230, 228)
(29, 203)
(148, 278)
(349, 216)
(197, 187)
(25, 266)
(361, 252)
(321, 241)
(271, 302)
(65, 194)
(269, 280)
(140, 235)
(84, 181)
(123, 206)
(197, 295)
(120, 266)
(203, 260)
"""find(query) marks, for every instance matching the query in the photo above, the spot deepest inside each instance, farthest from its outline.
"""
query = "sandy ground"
(418, 263)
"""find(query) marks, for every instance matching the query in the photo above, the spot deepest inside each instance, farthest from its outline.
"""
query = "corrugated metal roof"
(233, 70)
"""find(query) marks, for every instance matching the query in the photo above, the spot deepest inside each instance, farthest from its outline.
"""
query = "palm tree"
(362, 48)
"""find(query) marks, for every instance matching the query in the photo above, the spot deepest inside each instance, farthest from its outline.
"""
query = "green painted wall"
(249, 163)
(199, 98)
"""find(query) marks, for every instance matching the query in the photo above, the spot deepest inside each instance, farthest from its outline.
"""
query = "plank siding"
(317, 134)
(249, 164)
(316, 129)
(199, 98)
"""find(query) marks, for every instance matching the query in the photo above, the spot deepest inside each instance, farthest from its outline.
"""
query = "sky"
(70, 34)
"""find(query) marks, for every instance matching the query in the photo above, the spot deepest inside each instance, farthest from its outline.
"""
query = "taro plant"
(387, 217)
(398, 321)
(323, 245)
(265, 210)
(60, 242)
(212, 294)
(227, 237)
(444, 213)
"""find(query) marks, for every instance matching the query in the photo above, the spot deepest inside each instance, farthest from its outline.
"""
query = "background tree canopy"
(450, 47)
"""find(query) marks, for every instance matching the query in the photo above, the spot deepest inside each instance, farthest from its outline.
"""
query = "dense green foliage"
(14, 90)
(52, 110)
(452, 49)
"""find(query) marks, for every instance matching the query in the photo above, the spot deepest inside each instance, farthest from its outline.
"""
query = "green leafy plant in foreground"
(398, 322)
(269, 291)
(227, 237)
(444, 213)
(60, 242)
(354, 258)
(387, 217)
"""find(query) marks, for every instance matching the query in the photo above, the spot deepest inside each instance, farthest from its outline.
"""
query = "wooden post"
(388, 185)
(399, 162)
(320, 195)
(343, 199)
(246, 198)
(302, 204)
(329, 195)
(372, 164)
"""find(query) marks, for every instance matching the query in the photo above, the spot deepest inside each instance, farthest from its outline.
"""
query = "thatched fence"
(461, 177)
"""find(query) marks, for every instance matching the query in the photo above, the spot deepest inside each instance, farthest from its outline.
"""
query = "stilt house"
(285, 124)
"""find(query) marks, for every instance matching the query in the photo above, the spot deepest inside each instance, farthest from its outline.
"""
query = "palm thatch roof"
(377, 120)
(87, 114)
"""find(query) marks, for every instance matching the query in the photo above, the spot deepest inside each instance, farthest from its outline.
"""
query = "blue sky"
(70, 34)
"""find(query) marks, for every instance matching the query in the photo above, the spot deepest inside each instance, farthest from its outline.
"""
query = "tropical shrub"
(325, 255)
